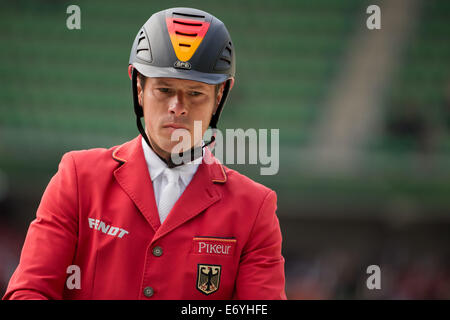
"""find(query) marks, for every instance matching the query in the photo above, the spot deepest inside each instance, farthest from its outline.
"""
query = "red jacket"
(222, 239)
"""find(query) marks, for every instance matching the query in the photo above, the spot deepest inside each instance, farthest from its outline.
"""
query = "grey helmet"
(183, 43)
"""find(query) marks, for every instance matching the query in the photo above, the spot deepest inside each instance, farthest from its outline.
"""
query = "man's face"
(171, 106)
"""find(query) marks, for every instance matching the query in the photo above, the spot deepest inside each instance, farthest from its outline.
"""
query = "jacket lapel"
(134, 178)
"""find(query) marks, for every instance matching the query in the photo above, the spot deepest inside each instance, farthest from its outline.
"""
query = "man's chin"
(165, 145)
(175, 148)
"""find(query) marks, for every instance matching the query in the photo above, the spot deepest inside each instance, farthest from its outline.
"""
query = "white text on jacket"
(106, 228)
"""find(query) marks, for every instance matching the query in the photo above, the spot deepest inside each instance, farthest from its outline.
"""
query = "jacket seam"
(257, 216)
(78, 191)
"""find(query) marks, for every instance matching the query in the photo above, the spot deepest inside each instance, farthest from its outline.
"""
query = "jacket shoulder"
(92, 154)
(93, 160)
(242, 184)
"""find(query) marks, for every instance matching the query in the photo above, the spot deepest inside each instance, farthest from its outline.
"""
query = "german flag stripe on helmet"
(186, 36)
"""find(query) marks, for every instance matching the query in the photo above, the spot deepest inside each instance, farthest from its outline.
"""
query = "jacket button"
(148, 292)
(157, 251)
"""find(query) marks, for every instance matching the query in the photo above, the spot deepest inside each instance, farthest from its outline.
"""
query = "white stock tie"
(169, 193)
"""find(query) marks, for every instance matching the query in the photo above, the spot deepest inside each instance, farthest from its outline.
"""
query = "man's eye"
(194, 93)
(164, 90)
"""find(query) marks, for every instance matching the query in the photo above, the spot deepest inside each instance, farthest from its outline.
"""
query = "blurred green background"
(364, 120)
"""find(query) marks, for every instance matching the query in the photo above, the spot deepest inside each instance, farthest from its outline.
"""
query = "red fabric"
(114, 186)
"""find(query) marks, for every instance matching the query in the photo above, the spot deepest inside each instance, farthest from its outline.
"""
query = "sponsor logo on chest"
(216, 246)
(106, 228)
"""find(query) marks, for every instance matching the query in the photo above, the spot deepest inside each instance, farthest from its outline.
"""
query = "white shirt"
(156, 167)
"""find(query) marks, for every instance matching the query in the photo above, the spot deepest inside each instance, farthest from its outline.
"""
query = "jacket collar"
(156, 166)
(134, 178)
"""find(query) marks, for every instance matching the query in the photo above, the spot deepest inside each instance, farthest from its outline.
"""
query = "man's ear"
(231, 83)
(140, 90)
(220, 93)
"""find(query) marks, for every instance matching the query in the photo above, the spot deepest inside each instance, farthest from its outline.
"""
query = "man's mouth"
(175, 126)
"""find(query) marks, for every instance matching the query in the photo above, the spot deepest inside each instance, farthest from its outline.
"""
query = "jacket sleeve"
(261, 268)
(51, 240)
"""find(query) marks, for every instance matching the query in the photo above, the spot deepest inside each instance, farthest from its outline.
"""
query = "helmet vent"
(188, 23)
(184, 45)
(224, 61)
(189, 15)
(186, 34)
(143, 51)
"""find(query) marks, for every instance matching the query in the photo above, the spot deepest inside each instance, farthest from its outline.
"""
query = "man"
(143, 220)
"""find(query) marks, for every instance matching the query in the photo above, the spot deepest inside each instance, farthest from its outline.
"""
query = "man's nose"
(177, 105)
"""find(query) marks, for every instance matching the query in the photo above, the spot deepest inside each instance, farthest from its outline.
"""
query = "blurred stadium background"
(364, 119)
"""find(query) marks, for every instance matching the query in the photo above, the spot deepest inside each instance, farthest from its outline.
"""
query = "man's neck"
(167, 157)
